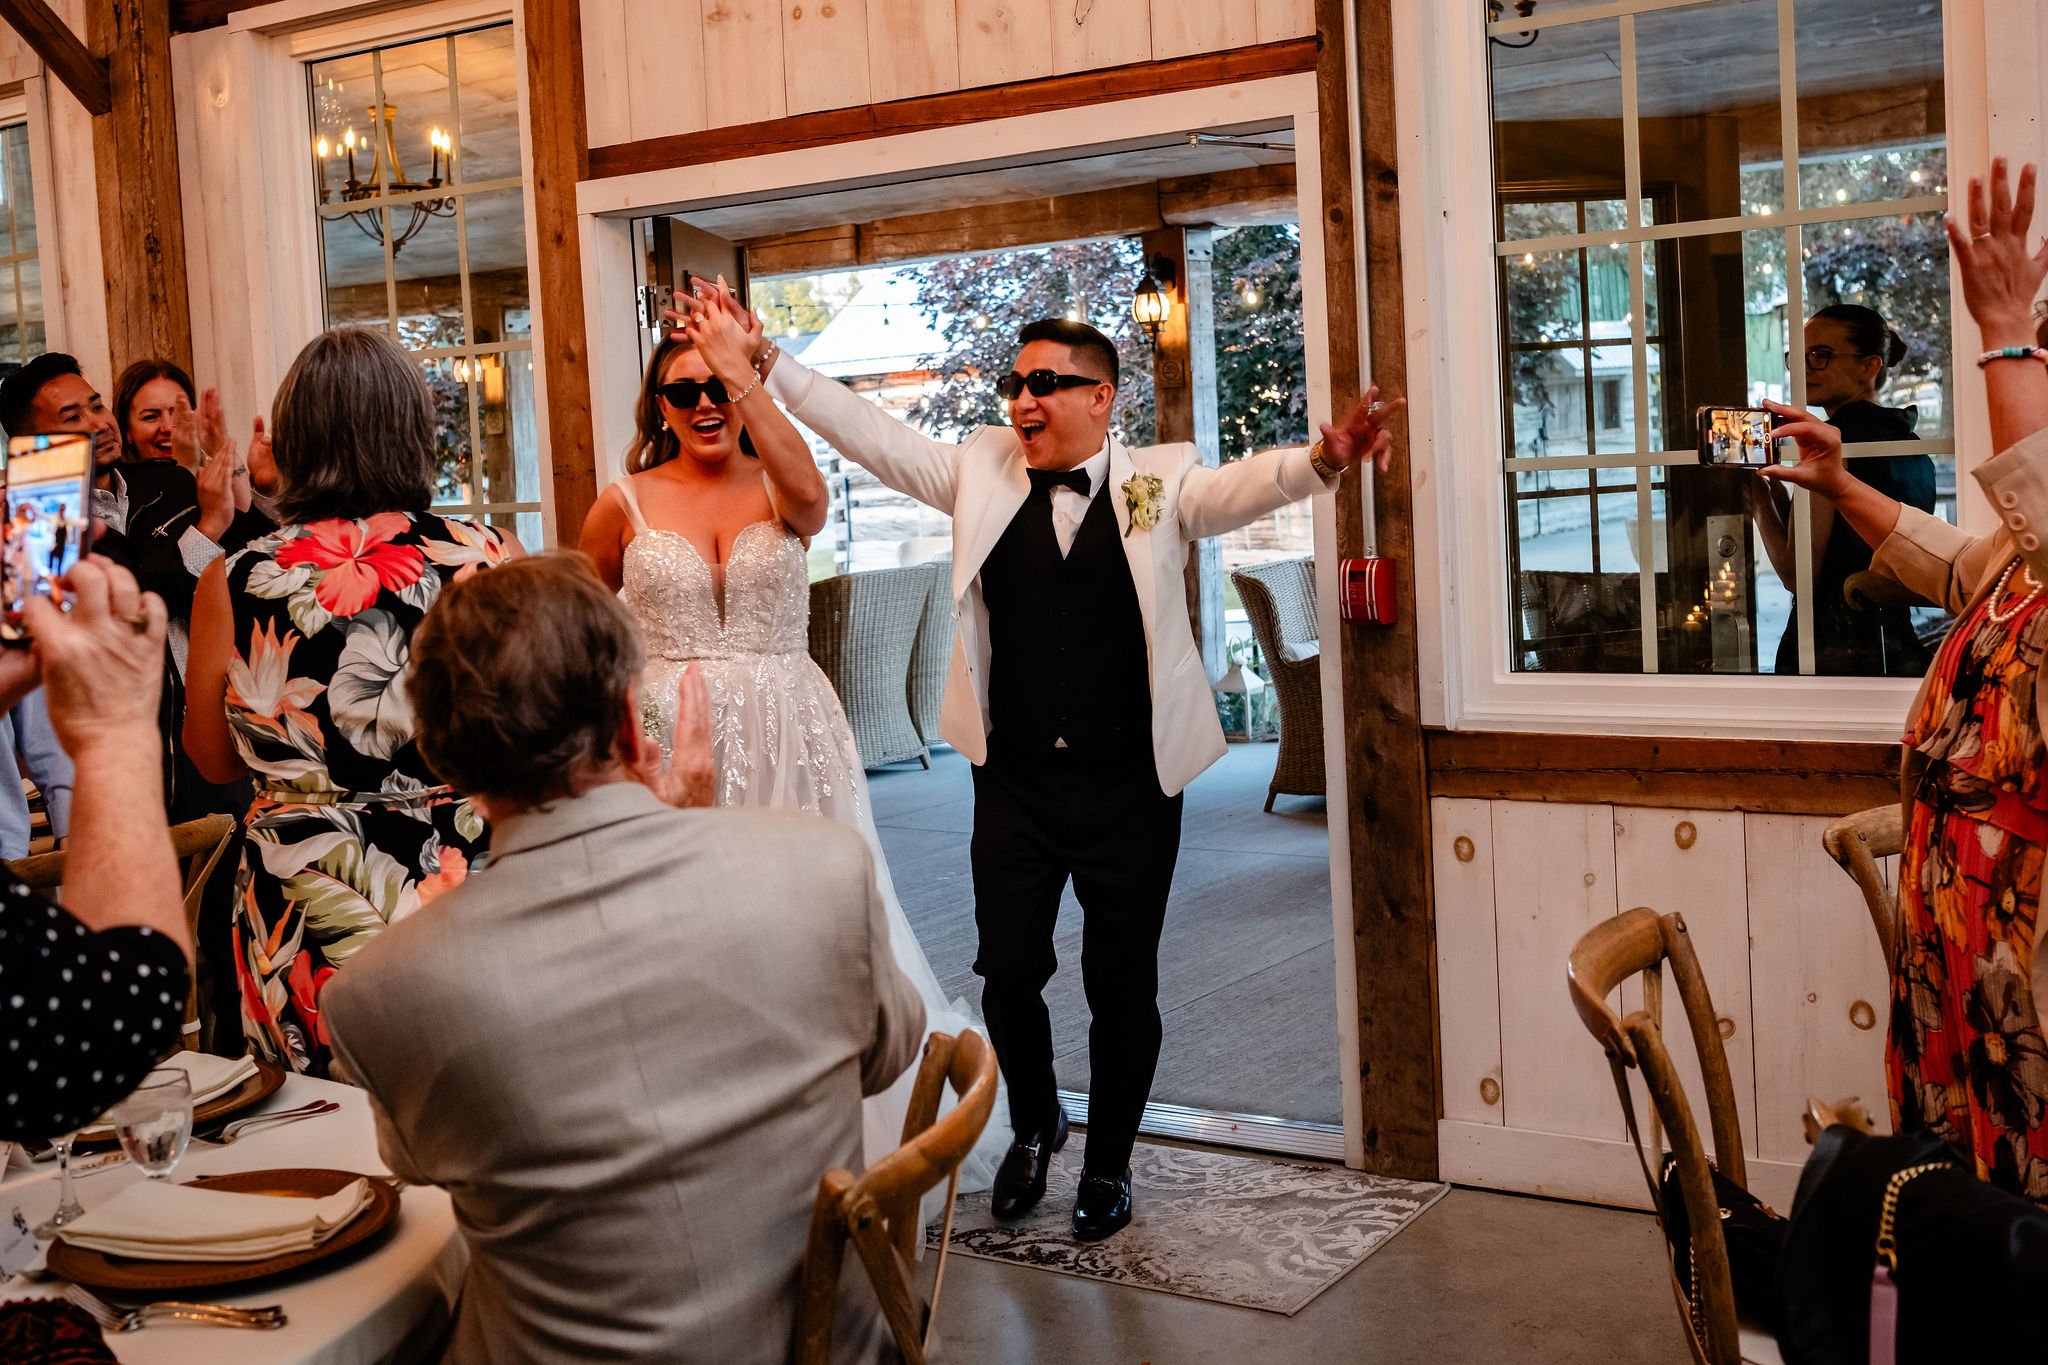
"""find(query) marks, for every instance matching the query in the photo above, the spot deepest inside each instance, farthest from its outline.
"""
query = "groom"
(1077, 690)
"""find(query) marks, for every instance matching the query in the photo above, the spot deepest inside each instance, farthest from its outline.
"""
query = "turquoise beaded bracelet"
(2013, 353)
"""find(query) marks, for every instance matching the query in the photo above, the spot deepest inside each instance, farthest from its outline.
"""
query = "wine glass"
(155, 1122)
(69, 1210)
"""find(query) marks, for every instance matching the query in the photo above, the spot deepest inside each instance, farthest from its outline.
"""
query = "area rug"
(1260, 1234)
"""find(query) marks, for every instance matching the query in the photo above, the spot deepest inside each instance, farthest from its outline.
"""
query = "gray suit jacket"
(628, 1046)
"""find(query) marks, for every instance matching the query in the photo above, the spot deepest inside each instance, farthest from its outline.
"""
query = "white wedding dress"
(779, 736)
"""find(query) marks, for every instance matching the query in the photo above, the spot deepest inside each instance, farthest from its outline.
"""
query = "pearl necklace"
(1998, 618)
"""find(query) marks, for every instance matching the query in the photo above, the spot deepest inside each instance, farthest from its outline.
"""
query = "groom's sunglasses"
(683, 393)
(1041, 383)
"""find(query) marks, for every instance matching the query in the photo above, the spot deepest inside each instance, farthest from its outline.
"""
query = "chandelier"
(382, 148)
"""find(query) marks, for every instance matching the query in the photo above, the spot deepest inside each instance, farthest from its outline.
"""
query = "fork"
(135, 1319)
(234, 1130)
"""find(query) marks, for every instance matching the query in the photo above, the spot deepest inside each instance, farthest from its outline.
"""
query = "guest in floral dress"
(1966, 1056)
(299, 647)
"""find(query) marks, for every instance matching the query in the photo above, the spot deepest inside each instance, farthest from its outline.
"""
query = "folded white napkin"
(211, 1078)
(154, 1221)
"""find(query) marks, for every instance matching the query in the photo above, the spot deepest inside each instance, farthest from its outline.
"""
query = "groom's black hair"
(1077, 337)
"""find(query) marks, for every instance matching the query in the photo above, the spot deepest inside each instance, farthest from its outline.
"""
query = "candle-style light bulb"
(348, 140)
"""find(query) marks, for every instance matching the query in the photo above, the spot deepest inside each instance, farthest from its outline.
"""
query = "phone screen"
(48, 482)
(1737, 437)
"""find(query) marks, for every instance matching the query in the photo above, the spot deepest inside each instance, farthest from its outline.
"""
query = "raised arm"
(906, 460)
(1215, 500)
(727, 336)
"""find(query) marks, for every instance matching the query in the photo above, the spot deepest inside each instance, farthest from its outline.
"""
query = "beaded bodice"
(672, 594)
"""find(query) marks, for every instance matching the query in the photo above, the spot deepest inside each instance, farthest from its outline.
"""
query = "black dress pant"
(1040, 819)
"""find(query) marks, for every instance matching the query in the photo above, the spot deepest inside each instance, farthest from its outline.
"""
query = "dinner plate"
(126, 1274)
(250, 1093)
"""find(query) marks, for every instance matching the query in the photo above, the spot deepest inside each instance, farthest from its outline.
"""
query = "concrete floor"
(1491, 1279)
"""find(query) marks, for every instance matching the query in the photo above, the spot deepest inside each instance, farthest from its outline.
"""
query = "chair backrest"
(878, 1211)
(1642, 942)
(198, 844)
(1857, 842)
(1290, 589)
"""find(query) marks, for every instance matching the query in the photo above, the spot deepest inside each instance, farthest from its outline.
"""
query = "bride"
(705, 539)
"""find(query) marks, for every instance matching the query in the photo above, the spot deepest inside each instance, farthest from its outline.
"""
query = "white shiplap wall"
(654, 68)
(1782, 935)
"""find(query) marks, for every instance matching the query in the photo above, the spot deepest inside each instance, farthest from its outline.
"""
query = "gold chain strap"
(1887, 1244)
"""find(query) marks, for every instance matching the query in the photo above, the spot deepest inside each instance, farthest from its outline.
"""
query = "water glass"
(68, 1208)
(155, 1123)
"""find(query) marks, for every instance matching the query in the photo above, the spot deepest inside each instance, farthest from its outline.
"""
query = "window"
(418, 176)
(21, 278)
(1677, 190)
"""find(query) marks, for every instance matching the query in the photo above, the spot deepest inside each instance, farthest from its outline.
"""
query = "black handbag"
(1972, 1259)
(1753, 1231)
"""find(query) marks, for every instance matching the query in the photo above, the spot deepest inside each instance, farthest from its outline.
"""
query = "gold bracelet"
(1316, 462)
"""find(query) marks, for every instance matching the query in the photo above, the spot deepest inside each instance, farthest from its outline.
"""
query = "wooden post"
(1385, 769)
(1184, 401)
(135, 156)
(561, 158)
(51, 39)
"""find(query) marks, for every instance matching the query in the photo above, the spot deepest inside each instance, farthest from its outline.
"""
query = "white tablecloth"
(392, 1303)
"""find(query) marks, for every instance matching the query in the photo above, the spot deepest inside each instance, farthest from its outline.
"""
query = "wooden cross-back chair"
(1642, 942)
(878, 1211)
(1857, 842)
(198, 844)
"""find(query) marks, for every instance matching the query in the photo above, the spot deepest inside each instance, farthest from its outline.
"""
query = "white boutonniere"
(1141, 497)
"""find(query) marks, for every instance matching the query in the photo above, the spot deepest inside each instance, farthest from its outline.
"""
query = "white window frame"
(1443, 101)
(252, 226)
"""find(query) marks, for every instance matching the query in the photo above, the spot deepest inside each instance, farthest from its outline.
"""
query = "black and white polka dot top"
(83, 1015)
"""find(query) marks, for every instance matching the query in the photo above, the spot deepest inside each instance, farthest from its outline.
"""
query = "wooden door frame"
(606, 208)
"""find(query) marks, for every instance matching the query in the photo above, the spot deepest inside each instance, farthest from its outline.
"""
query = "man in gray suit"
(628, 1045)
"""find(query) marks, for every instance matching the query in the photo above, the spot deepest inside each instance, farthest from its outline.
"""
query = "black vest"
(1066, 640)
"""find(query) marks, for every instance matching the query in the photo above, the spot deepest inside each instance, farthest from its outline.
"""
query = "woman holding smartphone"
(1965, 1055)
(1849, 351)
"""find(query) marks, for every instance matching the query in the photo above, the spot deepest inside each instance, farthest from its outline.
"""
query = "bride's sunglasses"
(1041, 383)
(683, 393)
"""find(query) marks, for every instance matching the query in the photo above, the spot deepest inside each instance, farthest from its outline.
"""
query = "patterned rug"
(1240, 1230)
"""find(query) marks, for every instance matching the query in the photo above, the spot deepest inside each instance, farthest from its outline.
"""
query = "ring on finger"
(138, 622)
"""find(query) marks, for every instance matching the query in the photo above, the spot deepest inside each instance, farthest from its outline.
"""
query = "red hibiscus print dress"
(1965, 1054)
(349, 831)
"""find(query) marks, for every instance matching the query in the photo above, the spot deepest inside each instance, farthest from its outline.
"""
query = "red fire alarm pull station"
(1366, 586)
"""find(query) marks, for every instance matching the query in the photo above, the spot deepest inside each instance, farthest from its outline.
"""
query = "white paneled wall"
(655, 68)
(1783, 936)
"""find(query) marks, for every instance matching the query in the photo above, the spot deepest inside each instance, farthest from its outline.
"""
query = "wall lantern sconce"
(1152, 304)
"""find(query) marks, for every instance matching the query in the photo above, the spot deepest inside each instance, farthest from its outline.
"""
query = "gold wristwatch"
(1322, 467)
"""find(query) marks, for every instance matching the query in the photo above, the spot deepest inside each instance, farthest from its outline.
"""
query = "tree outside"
(980, 302)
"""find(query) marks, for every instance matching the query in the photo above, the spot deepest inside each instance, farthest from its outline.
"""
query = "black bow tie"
(1045, 480)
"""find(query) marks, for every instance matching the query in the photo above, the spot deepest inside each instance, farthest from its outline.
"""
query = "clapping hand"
(690, 777)
(1363, 435)
(2000, 276)
(102, 664)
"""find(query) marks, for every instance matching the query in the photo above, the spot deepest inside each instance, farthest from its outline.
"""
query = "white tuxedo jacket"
(981, 483)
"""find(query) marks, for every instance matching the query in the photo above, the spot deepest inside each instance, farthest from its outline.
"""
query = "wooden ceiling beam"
(50, 38)
(1258, 194)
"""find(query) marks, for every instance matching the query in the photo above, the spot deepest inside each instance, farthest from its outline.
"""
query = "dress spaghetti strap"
(625, 487)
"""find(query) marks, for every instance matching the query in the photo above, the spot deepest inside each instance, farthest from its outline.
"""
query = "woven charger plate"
(268, 1079)
(96, 1270)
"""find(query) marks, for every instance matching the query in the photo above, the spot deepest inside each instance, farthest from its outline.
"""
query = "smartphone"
(48, 485)
(1738, 438)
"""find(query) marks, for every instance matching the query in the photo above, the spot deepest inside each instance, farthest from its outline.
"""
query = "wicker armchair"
(932, 654)
(863, 627)
(1280, 599)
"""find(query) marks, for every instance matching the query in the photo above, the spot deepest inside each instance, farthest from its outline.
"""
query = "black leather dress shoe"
(1020, 1180)
(1102, 1206)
